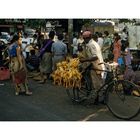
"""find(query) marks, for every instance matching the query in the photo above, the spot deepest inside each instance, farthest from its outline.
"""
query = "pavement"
(48, 103)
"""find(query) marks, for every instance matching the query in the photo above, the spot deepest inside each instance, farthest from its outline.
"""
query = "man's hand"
(88, 59)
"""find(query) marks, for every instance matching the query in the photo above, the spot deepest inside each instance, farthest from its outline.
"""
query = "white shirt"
(75, 41)
(75, 47)
(100, 42)
(95, 50)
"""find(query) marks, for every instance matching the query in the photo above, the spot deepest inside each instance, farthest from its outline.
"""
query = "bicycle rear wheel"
(121, 101)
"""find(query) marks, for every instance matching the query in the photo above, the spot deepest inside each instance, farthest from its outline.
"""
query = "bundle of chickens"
(67, 74)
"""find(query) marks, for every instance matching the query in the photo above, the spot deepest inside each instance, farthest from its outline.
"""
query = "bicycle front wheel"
(79, 95)
(121, 99)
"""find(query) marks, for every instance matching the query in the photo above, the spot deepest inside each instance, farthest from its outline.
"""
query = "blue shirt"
(12, 50)
(59, 48)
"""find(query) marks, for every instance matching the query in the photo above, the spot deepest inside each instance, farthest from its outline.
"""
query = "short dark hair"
(100, 34)
(60, 36)
(106, 33)
(117, 36)
(51, 34)
(127, 44)
(35, 35)
(25, 34)
(95, 37)
(74, 35)
(15, 38)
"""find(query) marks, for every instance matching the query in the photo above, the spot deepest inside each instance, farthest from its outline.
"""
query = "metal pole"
(70, 34)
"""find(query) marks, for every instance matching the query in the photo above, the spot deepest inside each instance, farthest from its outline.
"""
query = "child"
(33, 61)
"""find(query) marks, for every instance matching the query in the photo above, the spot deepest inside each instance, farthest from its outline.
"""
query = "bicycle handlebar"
(109, 64)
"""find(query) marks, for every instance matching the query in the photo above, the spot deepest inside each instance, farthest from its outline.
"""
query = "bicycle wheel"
(79, 95)
(121, 101)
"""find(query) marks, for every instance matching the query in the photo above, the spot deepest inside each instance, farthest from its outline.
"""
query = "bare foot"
(28, 93)
(42, 81)
(17, 93)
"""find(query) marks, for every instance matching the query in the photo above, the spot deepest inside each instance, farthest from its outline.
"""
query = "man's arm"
(82, 60)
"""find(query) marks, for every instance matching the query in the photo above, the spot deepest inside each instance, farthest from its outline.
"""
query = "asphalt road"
(48, 103)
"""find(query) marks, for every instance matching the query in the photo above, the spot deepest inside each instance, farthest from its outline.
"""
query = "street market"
(95, 62)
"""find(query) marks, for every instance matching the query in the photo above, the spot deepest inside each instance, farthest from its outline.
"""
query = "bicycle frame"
(106, 84)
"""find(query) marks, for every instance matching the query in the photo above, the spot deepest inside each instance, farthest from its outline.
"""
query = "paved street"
(48, 103)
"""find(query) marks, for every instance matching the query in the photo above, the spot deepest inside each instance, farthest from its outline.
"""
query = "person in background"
(25, 44)
(134, 77)
(95, 37)
(40, 40)
(75, 45)
(106, 45)
(34, 39)
(33, 61)
(11, 35)
(100, 40)
(117, 47)
(127, 56)
(17, 63)
(46, 60)
(59, 51)
(80, 40)
(124, 35)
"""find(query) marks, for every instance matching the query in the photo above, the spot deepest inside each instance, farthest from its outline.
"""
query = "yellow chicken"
(67, 74)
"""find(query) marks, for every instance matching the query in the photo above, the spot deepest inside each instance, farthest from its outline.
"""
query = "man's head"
(95, 37)
(87, 36)
(25, 35)
(51, 34)
(60, 36)
(35, 36)
(106, 33)
(116, 36)
(17, 39)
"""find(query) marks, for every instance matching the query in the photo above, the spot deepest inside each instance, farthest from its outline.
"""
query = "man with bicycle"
(92, 55)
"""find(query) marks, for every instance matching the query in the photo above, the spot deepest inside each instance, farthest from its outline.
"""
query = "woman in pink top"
(117, 47)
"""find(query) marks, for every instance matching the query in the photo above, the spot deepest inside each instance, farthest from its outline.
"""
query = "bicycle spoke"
(121, 102)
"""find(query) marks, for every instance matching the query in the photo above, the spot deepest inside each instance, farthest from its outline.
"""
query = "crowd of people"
(38, 58)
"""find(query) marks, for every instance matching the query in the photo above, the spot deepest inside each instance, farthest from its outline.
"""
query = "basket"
(4, 73)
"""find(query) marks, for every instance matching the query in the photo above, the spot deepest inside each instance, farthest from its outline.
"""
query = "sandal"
(17, 93)
(42, 81)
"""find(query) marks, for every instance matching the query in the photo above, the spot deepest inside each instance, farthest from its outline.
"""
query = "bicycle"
(117, 94)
